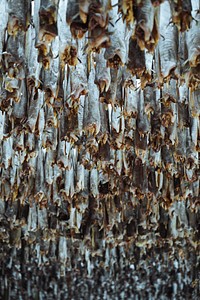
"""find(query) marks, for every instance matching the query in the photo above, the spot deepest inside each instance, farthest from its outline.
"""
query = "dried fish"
(47, 20)
(98, 26)
(50, 138)
(40, 125)
(18, 141)
(181, 14)
(194, 101)
(193, 40)
(78, 85)
(99, 149)
(62, 249)
(117, 127)
(19, 16)
(42, 218)
(36, 103)
(49, 76)
(168, 48)
(116, 54)
(102, 74)
(94, 182)
(32, 218)
(20, 104)
(77, 26)
(69, 183)
(69, 55)
(183, 114)
(3, 24)
(143, 124)
(92, 121)
(192, 77)
(110, 96)
(48, 167)
(146, 31)
(194, 130)
(7, 151)
(30, 142)
(39, 177)
(126, 8)
(15, 54)
(131, 108)
(136, 59)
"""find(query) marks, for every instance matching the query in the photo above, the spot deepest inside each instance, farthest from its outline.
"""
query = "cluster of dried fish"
(99, 135)
(141, 277)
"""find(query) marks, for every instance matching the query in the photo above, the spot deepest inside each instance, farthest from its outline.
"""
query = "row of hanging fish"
(99, 128)
(140, 276)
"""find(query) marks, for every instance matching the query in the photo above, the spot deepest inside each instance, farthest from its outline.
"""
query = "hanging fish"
(136, 62)
(94, 182)
(102, 74)
(20, 104)
(92, 121)
(49, 76)
(18, 140)
(7, 151)
(147, 26)
(167, 47)
(98, 32)
(48, 167)
(181, 14)
(47, 20)
(42, 218)
(77, 26)
(19, 16)
(39, 177)
(193, 40)
(192, 77)
(117, 128)
(3, 24)
(116, 53)
(36, 102)
(126, 8)
(14, 57)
